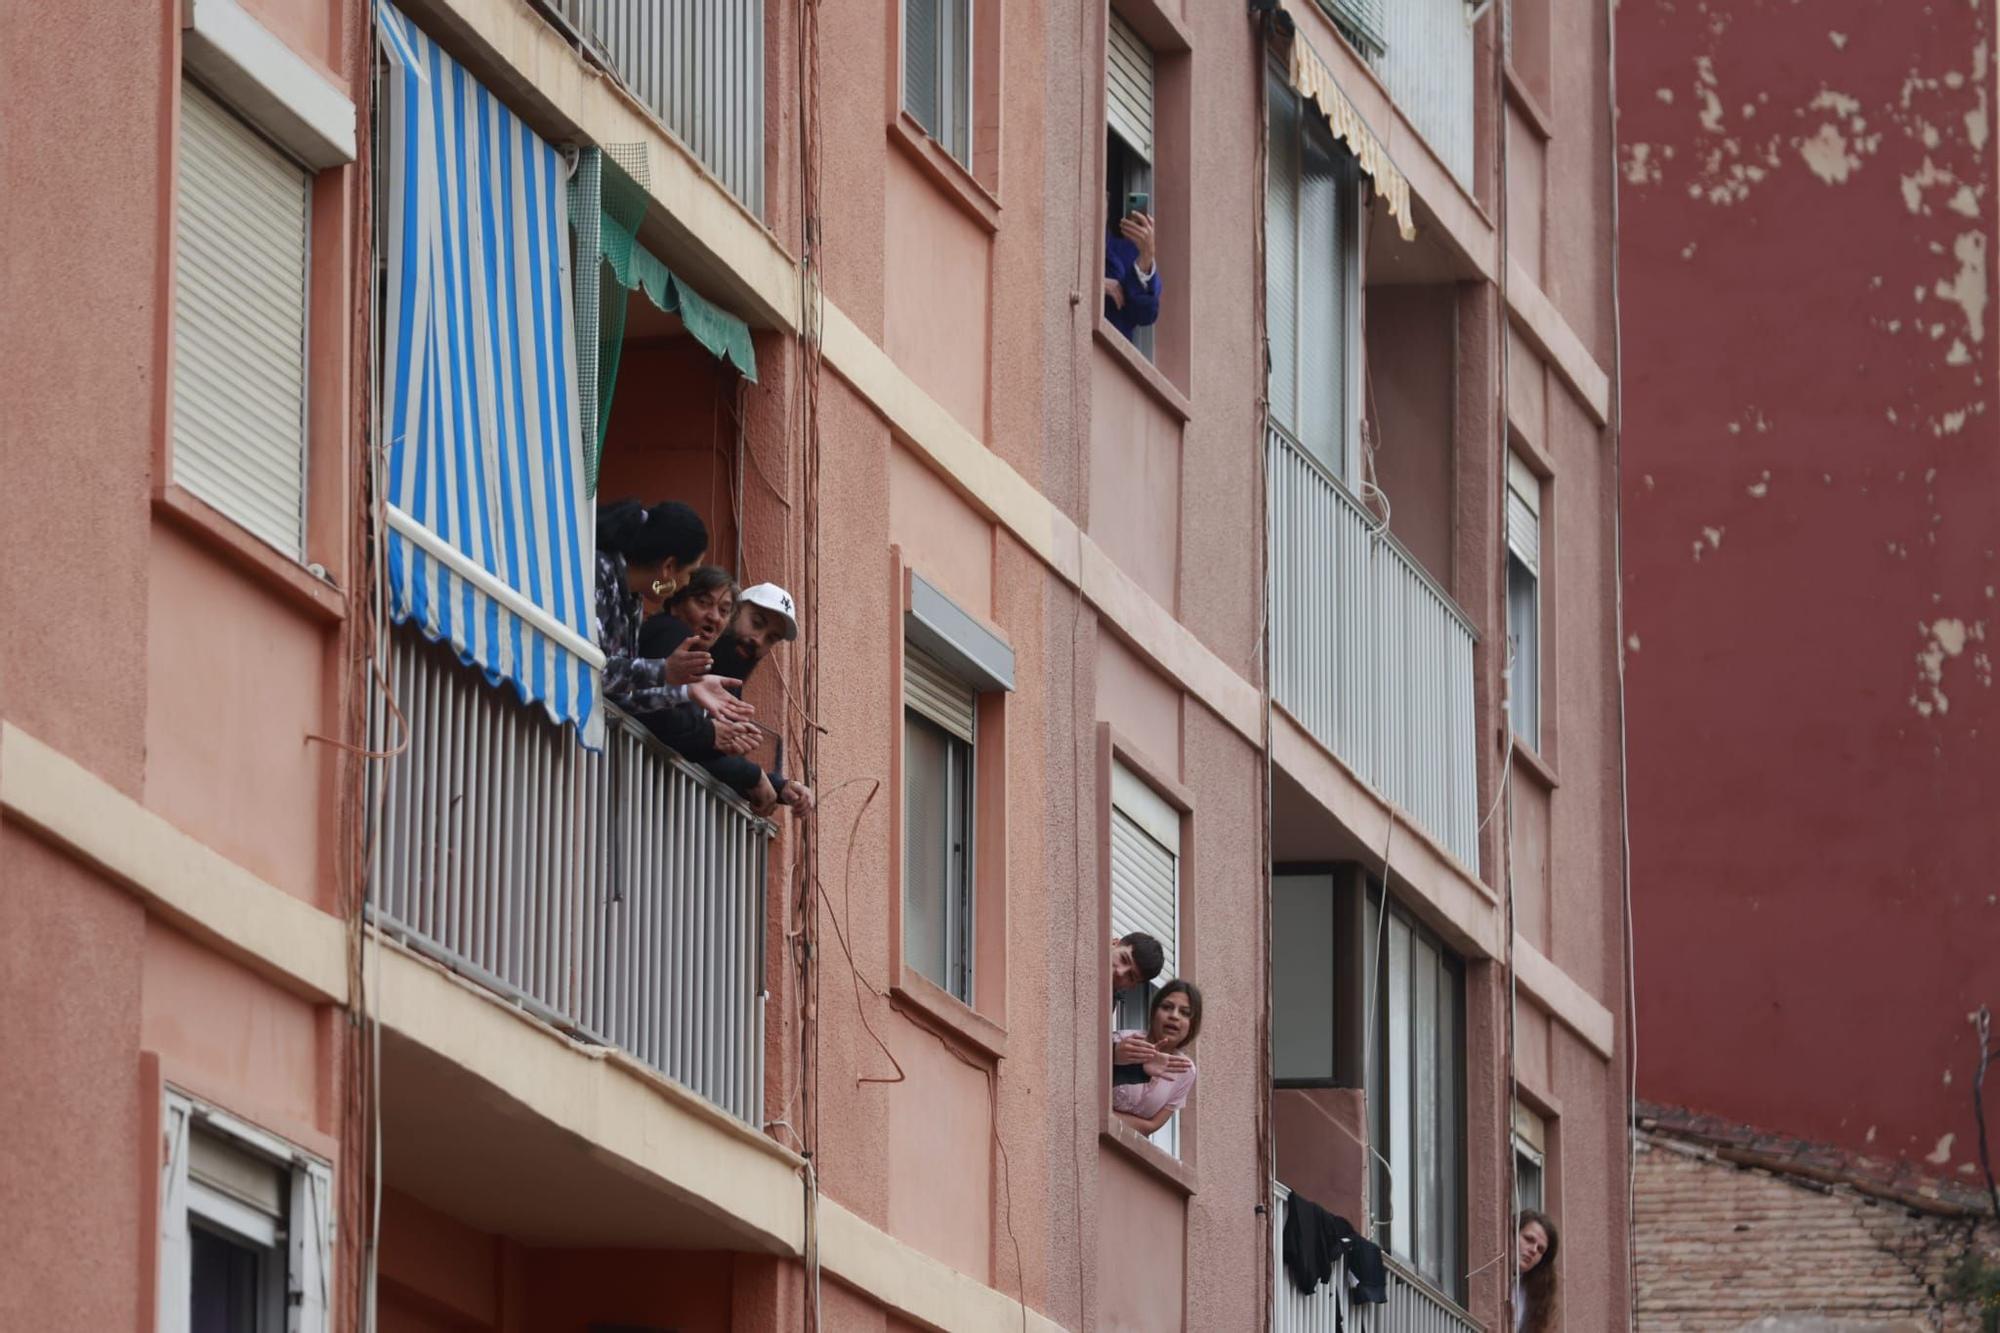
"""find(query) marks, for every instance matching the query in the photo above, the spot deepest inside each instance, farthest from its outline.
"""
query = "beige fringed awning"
(1313, 81)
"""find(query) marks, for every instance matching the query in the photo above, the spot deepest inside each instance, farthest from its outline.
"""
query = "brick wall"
(1722, 1247)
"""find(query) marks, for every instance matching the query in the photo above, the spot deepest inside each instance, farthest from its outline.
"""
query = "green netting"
(637, 269)
(593, 403)
(606, 208)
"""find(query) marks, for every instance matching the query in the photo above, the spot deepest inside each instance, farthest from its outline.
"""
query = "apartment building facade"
(368, 971)
(1809, 592)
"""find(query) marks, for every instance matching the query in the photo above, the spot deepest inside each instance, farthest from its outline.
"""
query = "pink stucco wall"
(1811, 491)
(169, 661)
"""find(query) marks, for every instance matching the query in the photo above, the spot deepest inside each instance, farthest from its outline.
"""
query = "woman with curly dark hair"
(1535, 1286)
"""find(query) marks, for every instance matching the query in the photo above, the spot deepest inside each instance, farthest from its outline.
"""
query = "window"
(937, 71)
(1524, 601)
(1130, 99)
(1311, 272)
(1361, 22)
(240, 259)
(1530, 1158)
(1527, 1177)
(1145, 896)
(1304, 974)
(939, 735)
(1415, 1077)
(246, 1228)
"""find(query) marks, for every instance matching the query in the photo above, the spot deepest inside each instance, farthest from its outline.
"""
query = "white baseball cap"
(772, 598)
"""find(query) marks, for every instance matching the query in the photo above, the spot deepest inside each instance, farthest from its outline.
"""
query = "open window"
(246, 1228)
(1130, 138)
(1530, 1161)
(1146, 897)
(1524, 600)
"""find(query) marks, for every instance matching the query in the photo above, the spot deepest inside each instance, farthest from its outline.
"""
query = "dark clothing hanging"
(1316, 1241)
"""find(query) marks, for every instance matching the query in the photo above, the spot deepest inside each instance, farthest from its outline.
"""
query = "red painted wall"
(1812, 500)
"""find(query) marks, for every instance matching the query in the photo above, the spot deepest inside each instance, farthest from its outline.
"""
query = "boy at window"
(1131, 278)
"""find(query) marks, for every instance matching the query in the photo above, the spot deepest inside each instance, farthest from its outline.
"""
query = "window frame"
(960, 891)
(1175, 1166)
(1161, 362)
(972, 648)
(973, 181)
(295, 1293)
(1531, 567)
(1350, 202)
(1378, 905)
(292, 103)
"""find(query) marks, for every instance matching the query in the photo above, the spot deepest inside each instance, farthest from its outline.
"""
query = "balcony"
(1424, 53)
(617, 895)
(1370, 655)
(1412, 1308)
(698, 65)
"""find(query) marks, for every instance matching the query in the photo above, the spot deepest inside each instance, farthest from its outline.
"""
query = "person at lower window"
(1131, 275)
(1535, 1284)
(1170, 1072)
(645, 555)
(759, 619)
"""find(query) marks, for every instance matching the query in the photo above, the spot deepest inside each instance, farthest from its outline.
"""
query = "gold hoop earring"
(665, 587)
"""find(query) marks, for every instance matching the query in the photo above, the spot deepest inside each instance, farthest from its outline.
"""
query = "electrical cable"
(1082, 938)
(1617, 429)
(1267, 1142)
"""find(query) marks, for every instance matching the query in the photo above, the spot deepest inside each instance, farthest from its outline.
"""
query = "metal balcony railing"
(618, 894)
(1428, 65)
(1413, 1306)
(698, 65)
(1369, 654)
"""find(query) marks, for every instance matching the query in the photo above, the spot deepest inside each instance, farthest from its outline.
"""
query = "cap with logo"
(772, 598)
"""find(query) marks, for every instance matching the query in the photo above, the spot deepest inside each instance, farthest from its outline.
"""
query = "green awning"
(606, 208)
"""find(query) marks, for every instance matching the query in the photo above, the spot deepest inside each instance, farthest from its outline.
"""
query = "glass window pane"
(224, 1281)
(927, 837)
(1524, 637)
(1281, 239)
(1302, 977)
(1322, 306)
(1451, 1123)
(1424, 1107)
(958, 850)
(1402, 1234)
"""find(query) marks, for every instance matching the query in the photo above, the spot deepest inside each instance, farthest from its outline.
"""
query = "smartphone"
(1139, 201)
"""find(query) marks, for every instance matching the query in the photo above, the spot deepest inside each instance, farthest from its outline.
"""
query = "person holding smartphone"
(1131, 276)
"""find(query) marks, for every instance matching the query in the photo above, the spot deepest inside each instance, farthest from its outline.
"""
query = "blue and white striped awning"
(490, 530)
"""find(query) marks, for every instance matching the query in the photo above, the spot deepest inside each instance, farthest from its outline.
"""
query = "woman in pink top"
(1176, 1018)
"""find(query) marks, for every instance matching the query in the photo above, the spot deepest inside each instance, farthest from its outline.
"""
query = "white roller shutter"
(1128, 87)
(1364, 22)
(937, 694)
(239, 430)
(1145, 865)
(1524, 513)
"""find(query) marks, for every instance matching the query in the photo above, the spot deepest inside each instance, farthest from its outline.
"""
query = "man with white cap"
(764, 618)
